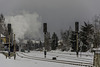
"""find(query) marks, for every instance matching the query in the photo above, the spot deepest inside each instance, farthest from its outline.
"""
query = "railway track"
(71, 57)
(72, 54)
(86, 64)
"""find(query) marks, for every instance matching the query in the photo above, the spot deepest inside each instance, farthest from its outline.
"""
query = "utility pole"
(96, 60)
(76, 31)
(45, 32)
(77, 44)
(9, 31)
(9, 47)
(14, 48)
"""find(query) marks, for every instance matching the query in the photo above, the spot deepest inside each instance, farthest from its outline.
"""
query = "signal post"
(76, 31)
(9, 31)
(14, 48)
(45, 32)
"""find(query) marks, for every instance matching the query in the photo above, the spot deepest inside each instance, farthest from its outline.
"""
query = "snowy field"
(25, 62)
(84, 57)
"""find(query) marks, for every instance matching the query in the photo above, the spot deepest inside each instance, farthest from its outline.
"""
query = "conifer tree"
(86, 35)
(54, 43)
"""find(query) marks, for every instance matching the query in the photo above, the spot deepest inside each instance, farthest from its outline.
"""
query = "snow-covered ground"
(86, 57)
(24, 62)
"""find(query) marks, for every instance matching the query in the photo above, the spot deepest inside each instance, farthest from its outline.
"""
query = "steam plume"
(25, 25)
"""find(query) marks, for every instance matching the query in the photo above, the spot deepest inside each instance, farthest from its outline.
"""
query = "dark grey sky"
(59, 14)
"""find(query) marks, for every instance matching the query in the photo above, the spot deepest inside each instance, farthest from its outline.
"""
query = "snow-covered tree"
(73, 41)
(86, 35)
(54, 43)
(65, 36)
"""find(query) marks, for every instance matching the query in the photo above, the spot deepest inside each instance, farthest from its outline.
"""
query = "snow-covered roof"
(24, 41)
(60, 41)
(35, 41)
(2, 35)
(96, 49)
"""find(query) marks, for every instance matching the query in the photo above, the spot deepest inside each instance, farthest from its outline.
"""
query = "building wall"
(3, 40)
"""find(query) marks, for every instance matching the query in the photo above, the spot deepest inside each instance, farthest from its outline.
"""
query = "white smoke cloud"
(25, 25)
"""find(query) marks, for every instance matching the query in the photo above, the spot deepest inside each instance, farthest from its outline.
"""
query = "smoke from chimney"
(25, 25)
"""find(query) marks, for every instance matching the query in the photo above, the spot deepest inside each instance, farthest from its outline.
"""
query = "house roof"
(2, 35)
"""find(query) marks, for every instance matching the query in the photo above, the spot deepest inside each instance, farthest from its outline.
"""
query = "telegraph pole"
(76, 31)
(45, 32)
(9, 46)
(14, 48)
(9, 31)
